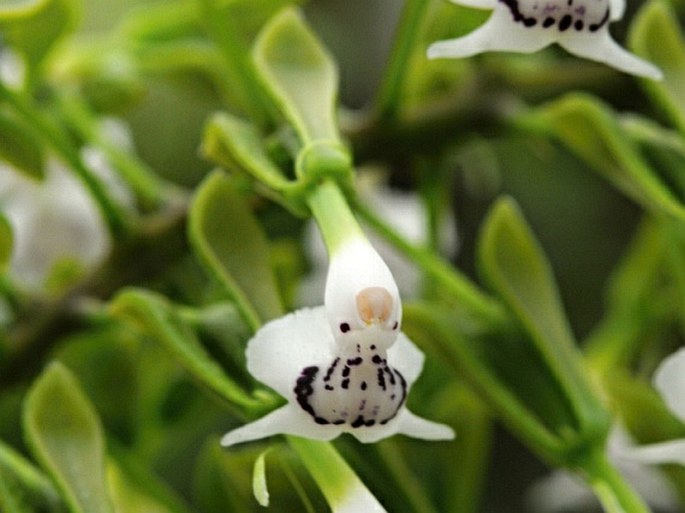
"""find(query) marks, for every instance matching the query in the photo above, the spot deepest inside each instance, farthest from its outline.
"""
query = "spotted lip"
(358, 391)
(569, 16)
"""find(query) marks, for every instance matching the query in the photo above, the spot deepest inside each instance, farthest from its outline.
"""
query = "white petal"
(666, 452)
(287, 420)
(358, 499)
(418, 427)
(601, 48)
(499, 33)
(405, 357)
(283, 347)
(670, 381)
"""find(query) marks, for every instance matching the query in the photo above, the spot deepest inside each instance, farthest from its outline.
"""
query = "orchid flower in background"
(344, 366)
(526, 26)
(51, 220)
(563, 492)
(403, 211)
(669, 380)
(56, 218)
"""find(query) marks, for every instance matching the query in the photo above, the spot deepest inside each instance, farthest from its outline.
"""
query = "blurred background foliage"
(150, 345)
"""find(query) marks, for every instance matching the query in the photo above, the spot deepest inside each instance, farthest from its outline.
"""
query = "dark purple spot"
(345, 371)
(355, 361)
(548, 22)
(578, 25)
(344, 327)
(363, 385)
(565, 23)
(596, 26)
(345, 384)
(377, 359)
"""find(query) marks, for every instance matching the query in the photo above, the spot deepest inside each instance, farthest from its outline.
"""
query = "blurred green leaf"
(6, 241)
(10, 8)
(65, 436)
(299, 74)
(135, 489)
(515, 266)
(19, 147)
(656, 36)
(590, 129)
(155, 316)
(23, 488)
(230, 244)
(33, 32)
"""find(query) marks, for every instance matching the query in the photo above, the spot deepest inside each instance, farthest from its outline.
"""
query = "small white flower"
(670, 382)
(562, 491)
(51, 220)
(345, 366)
(525, 26)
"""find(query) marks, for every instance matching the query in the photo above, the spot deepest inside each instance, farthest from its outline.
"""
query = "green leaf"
(20, 148)
(590, 129)
(299, 74)
(230, 244)
(33, 32)
(6, 241)
(136, 489)
(516, 268)
(23, 488)
(656, 36)
(155, 316)
(65, 436)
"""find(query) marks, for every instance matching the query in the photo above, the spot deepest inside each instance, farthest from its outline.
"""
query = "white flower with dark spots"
(345, 366)
(526, 26)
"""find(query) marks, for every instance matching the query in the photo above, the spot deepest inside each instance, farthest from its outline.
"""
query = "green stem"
(611, 489)
(149, 188)
(333, 215)
(465, 291)
(44, 128)
(223, 32)
(388, 97)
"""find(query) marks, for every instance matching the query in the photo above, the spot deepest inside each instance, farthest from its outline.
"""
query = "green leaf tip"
(656, 36)
(589, 129)
(299, 75)
(259, 488)
(516, 267)
(66, 437)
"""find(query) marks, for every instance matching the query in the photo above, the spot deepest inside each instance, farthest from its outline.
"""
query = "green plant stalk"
(238, 58)
(144, 182)
(334, 477)
(333, 215)
(465, 291)
(388, 97)
(114, 217)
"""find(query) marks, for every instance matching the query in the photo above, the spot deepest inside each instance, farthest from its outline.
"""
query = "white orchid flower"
(344, 366)
(562, 491)
(51, 220)
(669, 380)
(526, 26)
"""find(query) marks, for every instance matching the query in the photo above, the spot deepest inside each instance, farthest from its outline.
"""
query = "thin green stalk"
(388, 97)
(143, 181)
(466, 292)
(113, 215)
(333, 215)
(223, 32)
